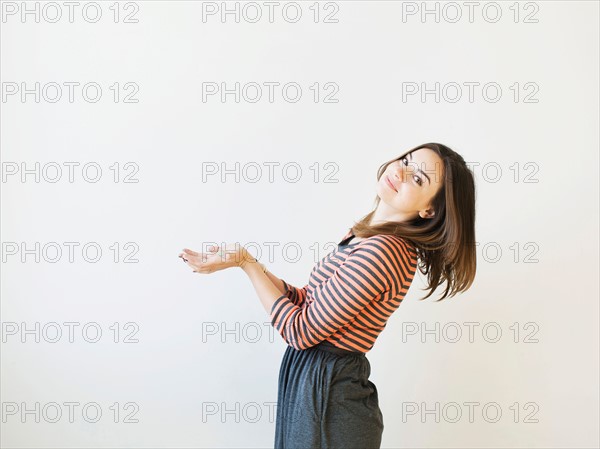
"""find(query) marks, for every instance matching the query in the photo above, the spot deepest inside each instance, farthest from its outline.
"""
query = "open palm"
(215, 259)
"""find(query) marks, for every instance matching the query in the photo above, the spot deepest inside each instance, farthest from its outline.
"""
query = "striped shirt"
(349, 296)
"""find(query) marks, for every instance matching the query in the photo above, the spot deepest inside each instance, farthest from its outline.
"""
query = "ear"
(428, 213)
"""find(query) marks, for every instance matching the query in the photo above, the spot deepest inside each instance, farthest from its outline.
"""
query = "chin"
(382, 190)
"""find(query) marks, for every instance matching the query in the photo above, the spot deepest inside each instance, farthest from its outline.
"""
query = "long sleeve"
(296, 295)
(368, 272)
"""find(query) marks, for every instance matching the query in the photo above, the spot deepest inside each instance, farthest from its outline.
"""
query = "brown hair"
(445, 244)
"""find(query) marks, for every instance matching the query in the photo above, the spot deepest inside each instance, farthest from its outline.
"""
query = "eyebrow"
(419, 170)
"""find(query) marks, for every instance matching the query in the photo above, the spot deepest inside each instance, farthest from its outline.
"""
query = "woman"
(424, 212)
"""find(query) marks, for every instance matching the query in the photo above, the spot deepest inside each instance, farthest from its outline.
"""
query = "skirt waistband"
(330, 347)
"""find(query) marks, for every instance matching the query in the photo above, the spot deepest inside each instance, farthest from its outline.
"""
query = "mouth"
(389, 183)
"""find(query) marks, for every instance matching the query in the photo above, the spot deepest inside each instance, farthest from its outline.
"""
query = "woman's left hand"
(215, 259)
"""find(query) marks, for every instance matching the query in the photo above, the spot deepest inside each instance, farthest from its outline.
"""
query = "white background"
(176, 368)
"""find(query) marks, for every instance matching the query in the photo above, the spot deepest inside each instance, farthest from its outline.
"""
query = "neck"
(383, 213)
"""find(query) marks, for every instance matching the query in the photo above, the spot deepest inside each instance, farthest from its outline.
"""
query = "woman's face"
(415, 179)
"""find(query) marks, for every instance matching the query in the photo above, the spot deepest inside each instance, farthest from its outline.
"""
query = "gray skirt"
(326, 400)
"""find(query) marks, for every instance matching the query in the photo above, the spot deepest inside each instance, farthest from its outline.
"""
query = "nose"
(400, 172)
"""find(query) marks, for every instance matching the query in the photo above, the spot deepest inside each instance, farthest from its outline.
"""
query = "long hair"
(445, 244)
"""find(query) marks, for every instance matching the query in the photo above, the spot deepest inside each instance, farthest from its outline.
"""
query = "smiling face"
(408, 185)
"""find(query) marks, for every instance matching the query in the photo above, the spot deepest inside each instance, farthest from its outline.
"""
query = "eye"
(418, 180)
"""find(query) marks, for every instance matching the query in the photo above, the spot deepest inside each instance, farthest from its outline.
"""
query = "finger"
(190, 252)
(193, 266)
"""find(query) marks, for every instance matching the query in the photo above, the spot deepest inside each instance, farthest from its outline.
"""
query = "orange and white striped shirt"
(349, 296)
